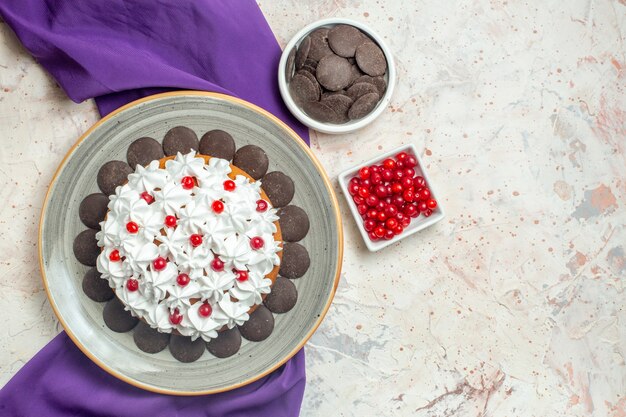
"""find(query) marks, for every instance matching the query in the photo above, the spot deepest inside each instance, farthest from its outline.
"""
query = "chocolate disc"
(311, 77)
(116, 318)
(339, 103)
(359, 89)
(252, 160)
(295, 261)
(303, 52)
(294, 223)
(180, 139)
(259, 326)
(363, 106)
(93, 209)
(95, 287)
(217, 143)
(322, 112)
(332, 93)
(302, 89)
(278, 187)
(227, 343)
(344, 39)
(334, 72)
(319, 44)
(143, 151)
(378, 82)
(371, 59)
(111, 175)
(86, 248)
(289, 66)
(355, 73)
(150, 340)
(183, 349)
(283, 296)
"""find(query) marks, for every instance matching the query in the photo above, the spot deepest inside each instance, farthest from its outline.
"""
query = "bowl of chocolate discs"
(336, 75)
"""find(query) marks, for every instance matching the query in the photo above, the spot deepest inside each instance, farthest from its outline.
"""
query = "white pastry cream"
(168, 248)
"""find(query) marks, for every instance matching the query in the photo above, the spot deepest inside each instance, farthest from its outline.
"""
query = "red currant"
(391, 210)
(371, 214)
(379, 231)
(398, 174)
(372, 236)
(229, 185)
(408, 196)
(410, 161)
(381, 216)
(407, 183)
(389, 163)
(366, 183)
(362, 208)
(187, 183)
(257, 242)
(353, 189)
(147, 197)
(410, 210)
(375, 168)
(422, 206)
(391, 223)
(405, 222)
(380, 206)
(261, 205)
(364, 173)
(401, 156)
(397, 230)
(431, 203)
(387, 174)
(369, 225)
(358, 200)
(419, 182)
(114, 256)
(170, 221)
(376, 178)
(364, 192)
(381, 191)
(176, 317)
(132, 285)
(205, 310)
(182, 279)
(396, 188)
(399, 165)
(397, 200)
(218, 206)
(371, 200)
(159, 264)
(132, 227)
(242, 276)
(423, 193)
(217, 264)
(427, 213)
(355, 180)
(388, 234)
(409, 172)
(196, 240)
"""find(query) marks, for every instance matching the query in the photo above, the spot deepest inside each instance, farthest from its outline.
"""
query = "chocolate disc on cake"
(183, 349)
(283, 297)
(259, 326)
(295, 260)
(180, 139)
(294, 223)
(93, 209)
(95, 287)
(334, 72)
(116, 318)
(149, 340)
(86, 248)
(143, 151)
(278, 187)
(226, 344)
(217, 143)
(252, 160)
(319, 44)
(344, 39)
(363, 106)
(303, 52)
(111, 175)
(371, 59)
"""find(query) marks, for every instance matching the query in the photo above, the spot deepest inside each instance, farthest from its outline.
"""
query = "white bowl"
(417, 223)
(352, 125)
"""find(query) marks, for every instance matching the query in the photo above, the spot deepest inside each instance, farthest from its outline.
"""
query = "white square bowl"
(417, 223)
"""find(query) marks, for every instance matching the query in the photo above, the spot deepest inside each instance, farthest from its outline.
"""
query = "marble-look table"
(514, 304)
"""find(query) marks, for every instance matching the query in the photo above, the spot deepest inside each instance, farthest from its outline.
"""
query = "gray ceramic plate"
(76, 178)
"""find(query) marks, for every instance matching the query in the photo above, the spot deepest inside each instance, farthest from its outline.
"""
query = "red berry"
(132, 227)
(409, 172)
(405, 222)
(371, 214)
(182, 279)
(132, 285)
(399, 165)
(176, 317)
(257, 242)
(387, 174)
(427, 213)
(419, 182)
(391, 210)
(364, 173)
(397, 200)
(388, 200)
(170, 221)
(400, 216)
(147, 197)
(196, 240)
(229, 185)
(381, 191)
(261, 205)
(353, 189)
(423, 193)
(375, 168)
(391, 223)
(217, 264)
(408, 196)
(401, 156)
(366, 183)
(187, 183)
(407, 183)
(388, 234)
(380, 206)
(371, 200)
(364, 192)
(205, 310)
(431, 203)
(381, 216)
(362, 208)
(398, 174)
(114, 256)
(355, 180)
(422, 206)
(159, 264)
(396, 188)
(376, 178)
(372, 236)
(369, 225)
(358, 200)
(389, 163)
(410, 161)
(410, 210)
(379, 231)
(397, 230)
(218, 206)
(242, 276)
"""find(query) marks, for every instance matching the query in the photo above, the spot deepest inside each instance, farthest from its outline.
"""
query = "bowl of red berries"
(391, 197)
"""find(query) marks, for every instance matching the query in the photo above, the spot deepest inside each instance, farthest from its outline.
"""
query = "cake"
(186, 249)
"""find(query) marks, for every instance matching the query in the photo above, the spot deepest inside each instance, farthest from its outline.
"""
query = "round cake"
(190, 244)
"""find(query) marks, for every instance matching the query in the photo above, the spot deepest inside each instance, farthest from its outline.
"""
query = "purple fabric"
(117, 51)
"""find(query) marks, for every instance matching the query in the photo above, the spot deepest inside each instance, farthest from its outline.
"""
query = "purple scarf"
(117, 51)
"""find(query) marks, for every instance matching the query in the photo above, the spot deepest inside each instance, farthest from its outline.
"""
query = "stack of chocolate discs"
(337, 74)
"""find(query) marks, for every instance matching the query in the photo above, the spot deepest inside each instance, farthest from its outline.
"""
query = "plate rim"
(262, 112)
